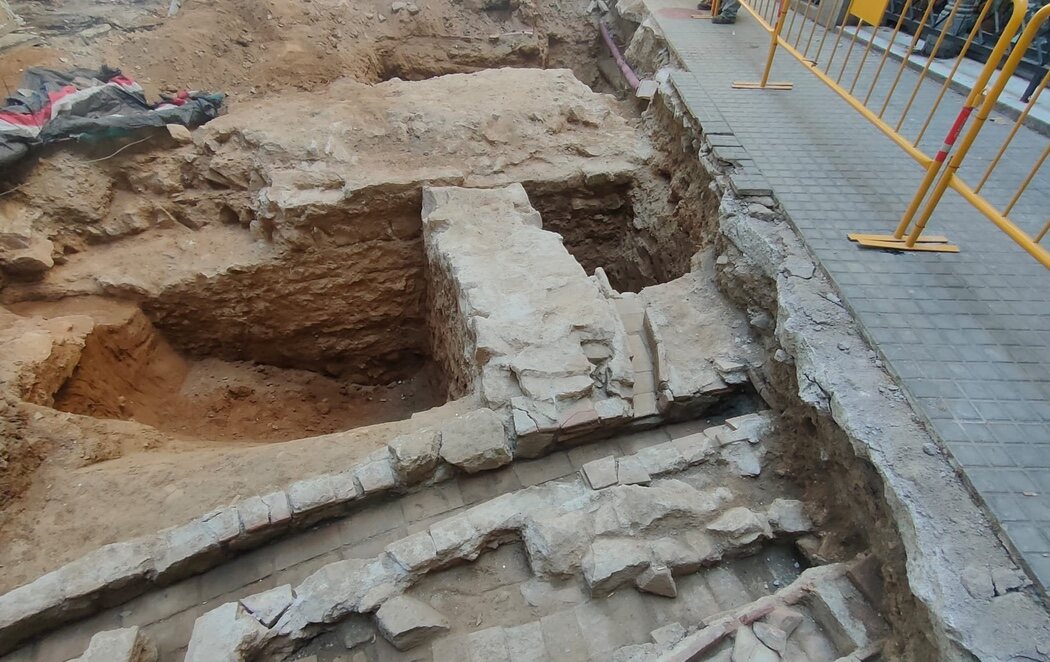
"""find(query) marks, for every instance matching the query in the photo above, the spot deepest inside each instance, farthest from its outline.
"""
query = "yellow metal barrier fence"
(861, 89)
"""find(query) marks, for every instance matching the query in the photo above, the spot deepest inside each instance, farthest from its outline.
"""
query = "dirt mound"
(247, 48)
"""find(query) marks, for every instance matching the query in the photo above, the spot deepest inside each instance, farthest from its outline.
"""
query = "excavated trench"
(320, 340)
(340, 331)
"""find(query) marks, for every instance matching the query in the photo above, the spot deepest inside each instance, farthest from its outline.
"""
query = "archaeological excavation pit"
(128, 369)
(538, 378)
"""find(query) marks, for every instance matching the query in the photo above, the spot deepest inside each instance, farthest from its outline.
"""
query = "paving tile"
(581, 455)
(431, 501)
(562, 635)
(371, 521)
(299, 547)
(969, 334)
(160, 604)
(488, 484)
(632, 443)
(550, 467)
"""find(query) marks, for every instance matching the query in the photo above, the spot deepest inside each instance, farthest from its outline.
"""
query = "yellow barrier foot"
(703, 16)
(927, 243)
(758, 86)
(889, 238)
(901, 246)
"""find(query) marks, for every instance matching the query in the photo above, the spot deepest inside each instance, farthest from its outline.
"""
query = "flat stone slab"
(702, 342)
(476, 442)
(406, 622)
(124, 645)
(600, 473)
(268, 606)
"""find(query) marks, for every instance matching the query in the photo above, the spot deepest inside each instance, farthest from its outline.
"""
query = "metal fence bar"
(951, 75)
(949, 178)
(849, 52)
(1027, 180)
(904, 59)
(886, 53)
(813, 30)
(1013, 132)
(926, 67)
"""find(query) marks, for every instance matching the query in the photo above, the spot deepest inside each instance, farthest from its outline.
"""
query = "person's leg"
(729, 8)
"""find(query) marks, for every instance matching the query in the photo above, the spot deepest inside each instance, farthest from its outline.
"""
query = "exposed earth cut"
(443, 344)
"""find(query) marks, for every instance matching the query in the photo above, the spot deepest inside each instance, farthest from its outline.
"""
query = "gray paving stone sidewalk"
(968, 334)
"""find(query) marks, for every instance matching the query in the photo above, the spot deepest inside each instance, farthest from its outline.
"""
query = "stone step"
(846, 615)
(820, 616)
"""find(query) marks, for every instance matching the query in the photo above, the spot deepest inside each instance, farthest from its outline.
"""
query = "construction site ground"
(441, 343)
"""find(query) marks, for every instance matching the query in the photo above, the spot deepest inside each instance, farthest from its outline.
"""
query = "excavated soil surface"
(249, 49)
(224, 317)
(129, 371)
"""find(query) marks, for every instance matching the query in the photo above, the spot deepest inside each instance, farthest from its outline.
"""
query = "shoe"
(704, 6)
(722, 20)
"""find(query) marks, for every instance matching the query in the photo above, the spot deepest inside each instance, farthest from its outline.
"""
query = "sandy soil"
(154, 490)
(109, 434)
(248, 48)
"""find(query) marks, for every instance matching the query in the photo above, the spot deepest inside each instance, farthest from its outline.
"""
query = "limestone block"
(375, 476)
(677, 554)
(788, 516)
(179, 133)
(657, 579)
(184, 548)
(415, 455)
(743, 459)
(26, 608)
(773, 637)
(108, 569)
(456, 537)
(752, 426)
(668, 635)
(740, 525)
(504, 513)
(311, 494)
(637, 653)
(338, 589)
(748, 648)
(415, 552)
(225, 523)
(695, 448)
(667, 501)
(254, 514)
(475, 442)
(488, 645)
(280, 507)
(556, 544)
(406, 622)
(601, 472)
(525, 643)
(268, 606)
(630, 471)
(784, 619)
(345, 485)
(32, 260)
(611, 562)
(224, 634)
(661, 458)
(123, 645)
(613, 410)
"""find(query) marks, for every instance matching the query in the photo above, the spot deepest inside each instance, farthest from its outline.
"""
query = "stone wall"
(544, 339)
